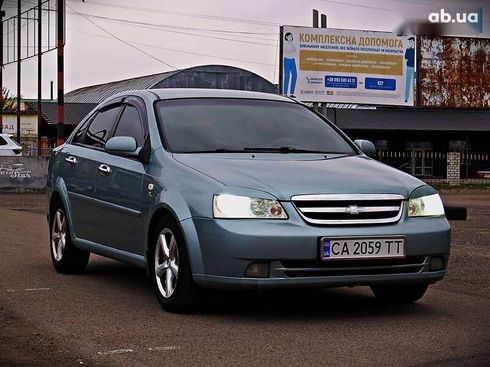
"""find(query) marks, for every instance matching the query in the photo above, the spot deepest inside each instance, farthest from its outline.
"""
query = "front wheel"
(400, 294)
(169, 268)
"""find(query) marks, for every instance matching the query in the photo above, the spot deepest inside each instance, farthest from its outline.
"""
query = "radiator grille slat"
(341, 209)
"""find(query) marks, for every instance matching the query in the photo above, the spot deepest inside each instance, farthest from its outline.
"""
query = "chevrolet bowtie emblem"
(353, 209)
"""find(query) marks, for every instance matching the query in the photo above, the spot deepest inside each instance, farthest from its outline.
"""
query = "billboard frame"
(414, 87)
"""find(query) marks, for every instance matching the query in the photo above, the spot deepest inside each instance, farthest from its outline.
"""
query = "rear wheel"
(400, 294)
(66, 258)
(169, 268)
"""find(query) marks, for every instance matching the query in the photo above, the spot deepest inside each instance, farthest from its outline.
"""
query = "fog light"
(436, 263)
(257, 270)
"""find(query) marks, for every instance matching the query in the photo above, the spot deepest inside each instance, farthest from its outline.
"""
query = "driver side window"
(99, 130)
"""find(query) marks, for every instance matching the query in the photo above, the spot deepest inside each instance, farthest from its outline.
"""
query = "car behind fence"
(453, 168)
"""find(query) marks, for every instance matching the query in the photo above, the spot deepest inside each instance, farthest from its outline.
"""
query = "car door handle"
(71, 160)
(104, 169)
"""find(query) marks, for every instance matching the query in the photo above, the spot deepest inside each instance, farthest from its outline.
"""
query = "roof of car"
(177, 93)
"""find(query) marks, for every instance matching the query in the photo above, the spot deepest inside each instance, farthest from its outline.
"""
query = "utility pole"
(315, 18)
(323, 21)
(39, 74)
(315, 25)
(61, 79)
(320, 107)
(2, 14)
(19, 70)
(323, 106)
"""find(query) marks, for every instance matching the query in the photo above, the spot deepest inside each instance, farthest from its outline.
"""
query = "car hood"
(286, 175)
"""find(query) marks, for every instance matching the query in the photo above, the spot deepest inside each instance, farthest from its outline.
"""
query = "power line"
(357, 5)
(188, 14)
(180, 27)
(123, 41)
(164, 28)
(136, 48)
(178, 50)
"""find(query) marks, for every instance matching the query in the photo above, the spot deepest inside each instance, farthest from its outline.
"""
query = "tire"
(66, 258)
(400, 294)
(169, 268)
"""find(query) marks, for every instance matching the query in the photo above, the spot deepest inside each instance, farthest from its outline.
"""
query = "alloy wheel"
(58, 234)
(166, 262)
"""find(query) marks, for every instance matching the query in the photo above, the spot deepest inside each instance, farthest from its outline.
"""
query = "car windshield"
(246, 125)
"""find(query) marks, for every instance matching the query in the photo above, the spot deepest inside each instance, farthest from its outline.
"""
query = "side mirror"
(367, 147)
(124, 146)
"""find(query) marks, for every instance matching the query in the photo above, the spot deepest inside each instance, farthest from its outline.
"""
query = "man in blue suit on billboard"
(410, 57)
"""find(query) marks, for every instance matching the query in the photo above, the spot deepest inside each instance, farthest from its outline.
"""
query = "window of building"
(457, 145)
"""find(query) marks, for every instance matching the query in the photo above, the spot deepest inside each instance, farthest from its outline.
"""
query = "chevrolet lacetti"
(239, 190)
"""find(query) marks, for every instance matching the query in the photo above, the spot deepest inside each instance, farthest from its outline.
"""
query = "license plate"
(361, 247)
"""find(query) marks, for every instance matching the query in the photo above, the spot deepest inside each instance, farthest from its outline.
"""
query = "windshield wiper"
(219, 150)
(282, 150)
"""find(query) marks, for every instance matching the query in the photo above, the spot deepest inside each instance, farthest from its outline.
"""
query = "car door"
(78, 168)
(119, 185)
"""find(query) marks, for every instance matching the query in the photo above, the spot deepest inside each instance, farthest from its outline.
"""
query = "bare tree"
(8, 100)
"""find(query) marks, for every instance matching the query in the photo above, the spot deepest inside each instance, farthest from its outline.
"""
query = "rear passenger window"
(130, 125)
(100, 128)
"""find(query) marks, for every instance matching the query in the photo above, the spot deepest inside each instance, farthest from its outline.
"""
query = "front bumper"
(237, 283)
(221, 250)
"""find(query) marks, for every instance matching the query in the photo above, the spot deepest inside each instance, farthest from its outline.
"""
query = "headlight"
(426, 206)
(233, 206)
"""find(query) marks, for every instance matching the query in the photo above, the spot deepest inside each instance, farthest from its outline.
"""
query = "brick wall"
(454, 168)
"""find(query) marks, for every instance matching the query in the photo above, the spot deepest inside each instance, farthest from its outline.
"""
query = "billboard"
(347, 66)
(454, 72)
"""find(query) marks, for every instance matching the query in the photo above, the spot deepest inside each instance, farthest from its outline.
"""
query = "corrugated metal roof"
(98, 93)
(414, 120)
(205, 76)
(74, 112)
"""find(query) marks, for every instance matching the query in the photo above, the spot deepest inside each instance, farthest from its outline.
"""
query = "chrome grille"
(349, 208)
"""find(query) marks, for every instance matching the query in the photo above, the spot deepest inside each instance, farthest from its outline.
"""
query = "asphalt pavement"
(110, 317)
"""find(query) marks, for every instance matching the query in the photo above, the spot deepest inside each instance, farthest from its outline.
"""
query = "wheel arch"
(160, 212)
(60, 192)
(55, 196)
(188, 231)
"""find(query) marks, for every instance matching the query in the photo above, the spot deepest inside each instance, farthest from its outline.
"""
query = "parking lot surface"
(110, 317)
